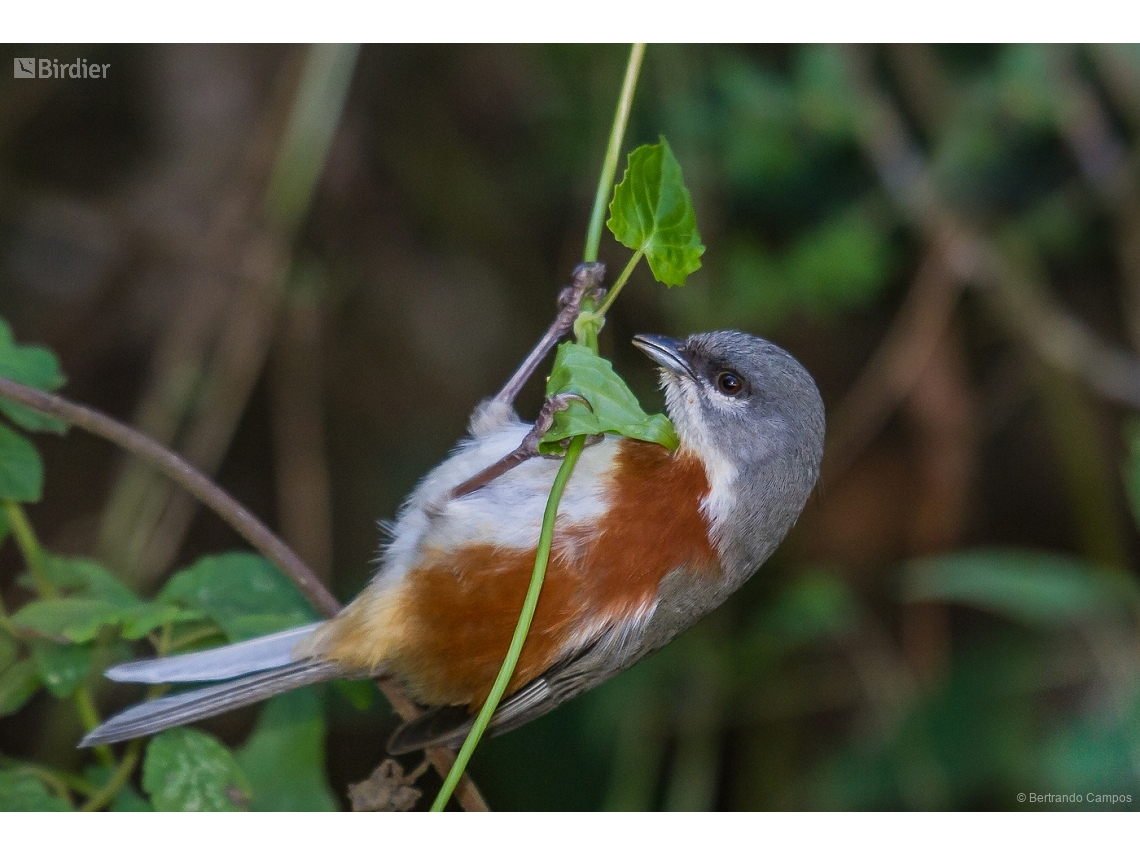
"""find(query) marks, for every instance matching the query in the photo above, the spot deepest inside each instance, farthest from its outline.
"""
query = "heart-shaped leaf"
(652, 212)
(580, 371)
(187, 770)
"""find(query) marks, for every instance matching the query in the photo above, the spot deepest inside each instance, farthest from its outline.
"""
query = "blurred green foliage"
(79, 613)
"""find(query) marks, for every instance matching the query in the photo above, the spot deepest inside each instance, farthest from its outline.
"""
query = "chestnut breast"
(449, 621)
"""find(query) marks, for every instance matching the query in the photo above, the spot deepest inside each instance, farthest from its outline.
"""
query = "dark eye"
(729, 383)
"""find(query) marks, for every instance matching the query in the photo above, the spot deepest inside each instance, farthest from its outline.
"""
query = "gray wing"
(450, 725)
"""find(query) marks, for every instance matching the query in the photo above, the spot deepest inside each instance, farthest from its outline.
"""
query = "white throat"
(680, 401)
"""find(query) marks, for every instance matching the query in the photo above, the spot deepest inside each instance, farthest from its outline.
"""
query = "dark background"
(948, 238)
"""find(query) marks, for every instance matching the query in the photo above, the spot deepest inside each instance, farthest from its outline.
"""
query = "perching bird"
(646, 542)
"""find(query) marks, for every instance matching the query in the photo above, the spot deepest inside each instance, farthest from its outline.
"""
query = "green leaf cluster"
(651, 212)
(231, 597)
(242, 594)
(93, 599)
(83, 614)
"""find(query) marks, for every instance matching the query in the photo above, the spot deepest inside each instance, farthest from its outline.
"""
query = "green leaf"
(18, 682)
(75, 619)
(61, 667)
(80, 576)
(22, 791)
(1031, 587)
(187, 770)
(108, 603)
(652, 212)
(127, 799)
(284, 758)
(32, 366)
(243, 593)
(145, 618)
(21, 470)
(580, 371)
(103, 601)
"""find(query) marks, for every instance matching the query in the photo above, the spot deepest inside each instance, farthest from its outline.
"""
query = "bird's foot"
(527, 449)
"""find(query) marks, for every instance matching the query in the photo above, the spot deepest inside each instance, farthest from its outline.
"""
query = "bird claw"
(527, 449)
(564, 444)
(545, 420)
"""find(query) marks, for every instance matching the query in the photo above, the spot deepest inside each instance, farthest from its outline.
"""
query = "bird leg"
(587, 283)
(527, 449)
(494, 412)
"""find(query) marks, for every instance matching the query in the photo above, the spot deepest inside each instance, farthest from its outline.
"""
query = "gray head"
(754, 416)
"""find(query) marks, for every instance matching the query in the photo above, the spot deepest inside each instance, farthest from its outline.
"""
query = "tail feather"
(221, 663)
(159, 714)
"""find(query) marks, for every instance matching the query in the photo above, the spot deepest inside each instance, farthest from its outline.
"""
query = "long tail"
(253, 670)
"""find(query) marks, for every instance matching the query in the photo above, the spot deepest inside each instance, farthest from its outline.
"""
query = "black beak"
(667, 352)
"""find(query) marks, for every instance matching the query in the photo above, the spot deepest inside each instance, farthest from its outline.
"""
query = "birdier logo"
(28, 66)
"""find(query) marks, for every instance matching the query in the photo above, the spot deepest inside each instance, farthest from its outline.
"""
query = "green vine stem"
(587, 335)
(117, 781)
(613, 152)
(529, 604)
(600, 313)
(90, 718)
(30, 548)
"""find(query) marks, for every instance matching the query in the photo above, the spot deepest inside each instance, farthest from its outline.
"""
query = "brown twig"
(178, 470)
(588, 277)
(466, 793)
(245, 523)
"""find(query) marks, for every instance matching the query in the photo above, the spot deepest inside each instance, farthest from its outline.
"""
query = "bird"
(646, 542)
